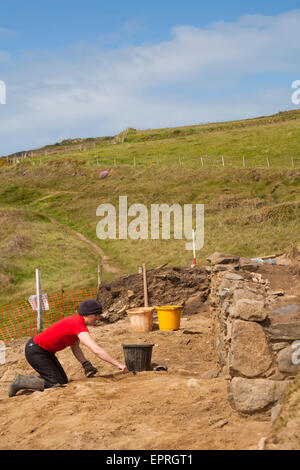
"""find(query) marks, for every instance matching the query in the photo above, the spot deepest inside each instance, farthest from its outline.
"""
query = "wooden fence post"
(202, 161)
(293, 163)
(40, 313)
(244, 162)
(268, 162)
(223, 162)
(145, 286)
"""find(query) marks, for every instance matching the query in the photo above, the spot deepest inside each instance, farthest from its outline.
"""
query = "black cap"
(90, 307)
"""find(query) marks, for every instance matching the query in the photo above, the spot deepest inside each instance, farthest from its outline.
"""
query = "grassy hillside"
(249, 211)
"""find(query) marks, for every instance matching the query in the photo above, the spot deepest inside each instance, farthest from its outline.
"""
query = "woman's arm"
(76, 350)
(88, 341)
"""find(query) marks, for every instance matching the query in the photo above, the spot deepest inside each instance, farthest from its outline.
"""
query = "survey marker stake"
(193, 232)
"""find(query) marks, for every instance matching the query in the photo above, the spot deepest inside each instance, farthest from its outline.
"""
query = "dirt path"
(108, 267)
(177, 409)
(48, 196)
(105, 259)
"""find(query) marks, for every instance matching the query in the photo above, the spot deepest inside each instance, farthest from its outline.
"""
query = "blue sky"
(81, 69)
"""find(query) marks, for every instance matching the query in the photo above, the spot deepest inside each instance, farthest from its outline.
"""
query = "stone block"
(234, 277)
(249, 353)
(245, 294)
(254, 395)
(285, 331)
(222, 258)
(288, 360)
(250, 310)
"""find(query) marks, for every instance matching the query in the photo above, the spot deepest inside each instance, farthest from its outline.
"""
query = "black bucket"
(138, 356)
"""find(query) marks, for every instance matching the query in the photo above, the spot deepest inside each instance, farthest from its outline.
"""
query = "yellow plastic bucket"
(169, 317)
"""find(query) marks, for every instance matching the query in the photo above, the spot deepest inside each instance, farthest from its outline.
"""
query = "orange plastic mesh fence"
(18, 320)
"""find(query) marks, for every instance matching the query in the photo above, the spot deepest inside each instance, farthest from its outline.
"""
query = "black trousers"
(46, 364)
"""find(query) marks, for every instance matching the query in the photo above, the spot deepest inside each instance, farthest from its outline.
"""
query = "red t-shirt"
(61, 334)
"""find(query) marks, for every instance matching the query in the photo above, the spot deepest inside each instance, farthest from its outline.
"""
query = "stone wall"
(256, 333)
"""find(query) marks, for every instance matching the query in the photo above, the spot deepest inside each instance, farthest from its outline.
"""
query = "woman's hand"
(123, 369)
(89, 369)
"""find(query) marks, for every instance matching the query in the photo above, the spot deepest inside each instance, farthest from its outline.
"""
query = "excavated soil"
(185, 407)
(167, 410)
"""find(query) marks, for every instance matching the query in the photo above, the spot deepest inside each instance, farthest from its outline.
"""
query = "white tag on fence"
(2, 352)
(33, 302)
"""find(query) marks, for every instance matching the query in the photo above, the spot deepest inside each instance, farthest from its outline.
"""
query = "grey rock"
(277, 293)
(210, 374)
(245, 294)
(250, 310)
(279, 346)
(225, 284)
(249, 352)
(224, 309)
(232, 311)
(254, 395)
(284, 331)
(219, 267)
(222, 258)
(286, 361)
(221, 350)
(275, 412)
(261, 443)
(234, 277)
(285, 310)
(222, 294)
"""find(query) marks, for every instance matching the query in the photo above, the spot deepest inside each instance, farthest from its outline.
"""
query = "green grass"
(251, 211)
(29, 241)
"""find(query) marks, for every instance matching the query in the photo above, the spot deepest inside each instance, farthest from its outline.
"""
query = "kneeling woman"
(70, 331)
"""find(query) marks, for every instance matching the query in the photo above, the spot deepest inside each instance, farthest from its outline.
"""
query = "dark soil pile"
(185, 286)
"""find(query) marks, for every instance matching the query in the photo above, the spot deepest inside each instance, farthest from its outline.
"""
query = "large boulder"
(254, 395)
(249, 352)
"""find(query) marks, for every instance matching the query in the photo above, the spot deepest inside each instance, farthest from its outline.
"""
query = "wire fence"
(187, 161)
(19, 320)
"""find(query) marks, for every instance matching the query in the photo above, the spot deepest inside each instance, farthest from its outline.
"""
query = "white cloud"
(8, 32)
(85, 90)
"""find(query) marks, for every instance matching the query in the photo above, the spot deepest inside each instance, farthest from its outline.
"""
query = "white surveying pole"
(194, 250)
(39, 301)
